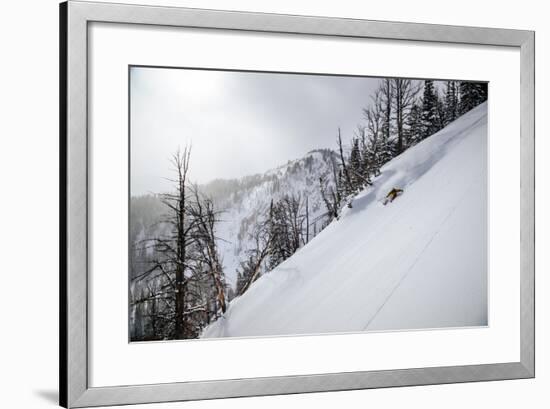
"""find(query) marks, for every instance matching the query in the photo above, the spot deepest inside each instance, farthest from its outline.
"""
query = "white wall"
(28, 210)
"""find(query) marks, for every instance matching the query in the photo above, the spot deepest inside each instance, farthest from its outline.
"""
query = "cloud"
(239, 123)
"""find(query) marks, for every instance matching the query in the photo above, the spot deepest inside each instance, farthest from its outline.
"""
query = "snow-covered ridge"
(242, 209)
(419, 262)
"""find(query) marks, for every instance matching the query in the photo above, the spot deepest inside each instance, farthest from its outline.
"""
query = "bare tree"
(175, 296)
(331, 194)
(378, 146)
(251, 267)
(373, 139)
(405, 93)
(374, 117)
(345, 171)
(175, 248)
(307, 221)
(386, 95)
(205, 218)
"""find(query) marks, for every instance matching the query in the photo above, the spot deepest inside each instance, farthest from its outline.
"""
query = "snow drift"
(419, 262)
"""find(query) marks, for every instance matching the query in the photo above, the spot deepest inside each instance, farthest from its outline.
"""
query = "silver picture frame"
(75, 16)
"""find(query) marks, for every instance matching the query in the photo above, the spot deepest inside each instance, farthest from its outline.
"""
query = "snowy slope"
(419, 262)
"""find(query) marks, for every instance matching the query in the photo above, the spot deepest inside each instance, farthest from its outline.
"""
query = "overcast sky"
(238, 123)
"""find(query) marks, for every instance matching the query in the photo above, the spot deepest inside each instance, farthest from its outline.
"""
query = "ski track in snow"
(404, 277)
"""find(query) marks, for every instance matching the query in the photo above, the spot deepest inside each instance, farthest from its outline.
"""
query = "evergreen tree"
(372, 156)
(286, 229)
(440, 122)
(451, 102)
(471, 95)
(386, 150)
(466, 97)
(358, 180)
(344, 180)
(331, 194)
(429, 110)
(482, 91)
(279, 249)
(366, 167)
(415, 126)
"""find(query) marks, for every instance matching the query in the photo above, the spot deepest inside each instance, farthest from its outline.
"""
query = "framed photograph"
(257, 204)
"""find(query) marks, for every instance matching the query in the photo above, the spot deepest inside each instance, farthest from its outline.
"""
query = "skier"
(392, 195)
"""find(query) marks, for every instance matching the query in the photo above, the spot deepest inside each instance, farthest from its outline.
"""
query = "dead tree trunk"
(181, 163)
(205, 218)
(343, 164)
(405, 92)
(307, 219)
